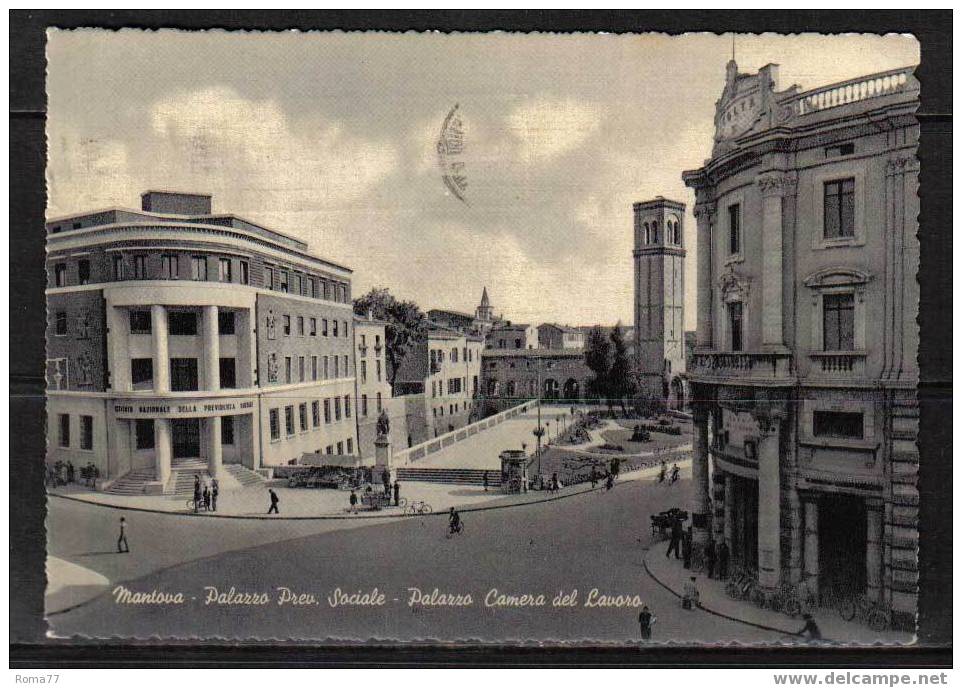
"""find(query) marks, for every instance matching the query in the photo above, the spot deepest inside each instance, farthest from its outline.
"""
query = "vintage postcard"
(482, 338)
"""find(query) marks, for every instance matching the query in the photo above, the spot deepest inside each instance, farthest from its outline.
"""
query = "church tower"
(660, 298)
(484, 311)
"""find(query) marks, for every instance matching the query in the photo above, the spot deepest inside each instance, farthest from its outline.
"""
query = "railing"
(740, 365)
(854, 90)
(839, 364)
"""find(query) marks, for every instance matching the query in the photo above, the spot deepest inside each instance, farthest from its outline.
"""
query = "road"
(595, 540)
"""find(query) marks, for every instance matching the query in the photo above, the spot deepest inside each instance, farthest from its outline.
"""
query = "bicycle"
(417, 508)
(452, 530)
(876, 615)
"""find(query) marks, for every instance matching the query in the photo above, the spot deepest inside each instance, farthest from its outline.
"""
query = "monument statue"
(383, 425)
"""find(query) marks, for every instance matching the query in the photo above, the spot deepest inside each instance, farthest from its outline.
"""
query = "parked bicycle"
(876, 615)
(417, 508)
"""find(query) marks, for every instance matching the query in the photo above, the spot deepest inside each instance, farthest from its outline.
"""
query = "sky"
(332, 137)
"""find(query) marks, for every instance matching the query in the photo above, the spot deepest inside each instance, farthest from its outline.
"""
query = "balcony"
(768, 368)
(893, 82)
(362, 349)
(837, 365)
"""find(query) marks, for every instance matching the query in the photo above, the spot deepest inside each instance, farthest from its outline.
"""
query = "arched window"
(647, 234)
(654, 232)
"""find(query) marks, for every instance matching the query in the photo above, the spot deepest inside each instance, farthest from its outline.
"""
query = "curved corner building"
(181, 341)
(804, 373)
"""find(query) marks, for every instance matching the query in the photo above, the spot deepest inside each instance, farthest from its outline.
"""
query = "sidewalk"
(69, 584)
(672, 575)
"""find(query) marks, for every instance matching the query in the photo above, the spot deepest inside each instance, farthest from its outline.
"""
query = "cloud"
(547, 129)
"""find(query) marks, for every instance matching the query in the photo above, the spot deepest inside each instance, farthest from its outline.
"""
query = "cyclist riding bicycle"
(454, 521)
(674, 472)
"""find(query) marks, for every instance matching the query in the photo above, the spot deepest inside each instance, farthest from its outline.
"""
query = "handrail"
(852, 91)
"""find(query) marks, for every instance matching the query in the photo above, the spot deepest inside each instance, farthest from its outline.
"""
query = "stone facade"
(511, 375)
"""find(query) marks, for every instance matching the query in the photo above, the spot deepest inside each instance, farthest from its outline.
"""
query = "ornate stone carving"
(704, 210)
(733, 284)
(778, 183)
(900, 163)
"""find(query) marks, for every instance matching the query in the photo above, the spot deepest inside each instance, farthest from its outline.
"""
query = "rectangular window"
(347, 405)
(316, 413)
(337, 373)
(350, 445)
(363, 372)
(734, 229)
(145, 433)
(313, 327)
(334, 328)
(330, 449)
(227, 430)
(327, 410)
(378, 402)
(140, 322)
(61, 323)
(224, 273)
(302, 416)
(838, 322)
(140, 267)
(87, 432)
(300, 368)
(300, 326)
(841, 149)
(182, 323)
(340, 448)
(169, 266)
(347, 368)
(289, 419)
(142, 373)
(735, 325)
(377, 367)
(327, 373)
(287, 325)
(183, 374)
(64, 423)
(198, 268)
(324, 327)
(298, 286)
(337, 408)
(344, 330)
(245, 272)
(364, 406)
(83, 271)
(287, 369)
(312, 286)
(60, 274)
(839, 209)
(283, 274)
(269, 277)
(226, 322)
(845, 425)
(118, 267)
(313, 367)
(228, 373)
(275, 425)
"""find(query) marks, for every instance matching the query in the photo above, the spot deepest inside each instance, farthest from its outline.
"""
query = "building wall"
(75, 406)
(79, 355)
(512, 337)
(508, 375)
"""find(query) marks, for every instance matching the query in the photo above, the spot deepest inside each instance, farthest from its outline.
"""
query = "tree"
(598, 360)
(405, 325)
(621, 378)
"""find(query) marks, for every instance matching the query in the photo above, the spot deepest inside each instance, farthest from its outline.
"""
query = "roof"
(448, 311)
(563, 328)
(510, 326)
(484, 298)
(532, 353)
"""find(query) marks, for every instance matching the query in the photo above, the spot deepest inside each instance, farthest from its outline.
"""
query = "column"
(718, 507)
(215, 455)
(810, 508)
(158, 329)
(699, 478)
(211, 343)
(730, 511)
(769, 503)
(873, 549)
(797, 536)
(118, 327)
(773, 186)
(704, 214)
(163, 449)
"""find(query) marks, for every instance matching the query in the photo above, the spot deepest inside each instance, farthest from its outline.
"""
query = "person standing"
(353, 501)
(690, 598)
(214, 490)
(122, 539)
(676, 537)
(646, 620)
(397, 493)
(197, 494)
(70, 472)
(274, 501)
(710, 559)
(723, 560)
(609, 481)
(206, 498)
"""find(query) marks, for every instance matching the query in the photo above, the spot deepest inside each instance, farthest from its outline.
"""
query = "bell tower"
(659, 256)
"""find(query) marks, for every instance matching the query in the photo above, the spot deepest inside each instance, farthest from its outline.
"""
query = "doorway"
(745, 532)
(185, 437)
(841, 546)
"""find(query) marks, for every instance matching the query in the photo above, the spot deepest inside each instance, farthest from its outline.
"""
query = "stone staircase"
(182, 472)
(132, 483)
(450, 476)
(244, 475)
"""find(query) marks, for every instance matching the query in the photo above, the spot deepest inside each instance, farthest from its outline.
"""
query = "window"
(87, 432)
(350, 445)
(330, 449)
(347, 368)
(735, 325)
(283, 274)
(378, 402)
(245, 272)
(377, 366)
(287, 369)
(275, 425)
(347, 405)
(226, 321)
(61, 323)
(364, 406)
(316, 413)
(300, 368)
(183, 374)
(77, 225)
(842, 149)
(139, 322)
(337, 408)
(223, 270)
(287, 325)
(118, 267)
(334, 326)
(848, 425)
(198, 268)
(83, 271)
(289, 419)
(302, 416)
(838, 322)
(300, 326)
(144, 428)
(734, 229)
(337, 372)
(326, 371)
(654, 232)
(182, 323)
(228, 373)
(839, 209)
(60, 274)
(324, 327)
(313, 367)
(454, 352)
(269, 277)
(340, 448)
(64, 423)
(168, 264)
(140, 267)
(363, 372)
(142, 373)
(313, 327)
(298, 286)
(327, 410)
(312, 287)
(227, 430)
(344, 329)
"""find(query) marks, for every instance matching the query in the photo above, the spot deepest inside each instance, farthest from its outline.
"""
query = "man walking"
(214, 489)
(274, 500)
(676, 536)
(353, 501)
(646, 620)
(122, 540)
(197, 495)
(397, 493)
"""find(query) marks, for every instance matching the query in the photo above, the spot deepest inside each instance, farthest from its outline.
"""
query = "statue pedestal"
(383, 460)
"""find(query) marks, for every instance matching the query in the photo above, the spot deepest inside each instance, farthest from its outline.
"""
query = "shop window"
(64, 425)
(142, 373)
(275, 425)
(144, 428)
(289, 419)
(839, 209)
(227, 430)
(841, 424)
(87, 433)
(140, 322)
(183, 374)
(60, 323)
(226, 322)
(60, 274)
(838, 322)
(228, 373)
(182, 323)
(83, 271)
(198, 268)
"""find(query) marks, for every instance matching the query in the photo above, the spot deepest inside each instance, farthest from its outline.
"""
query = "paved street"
(590, 540)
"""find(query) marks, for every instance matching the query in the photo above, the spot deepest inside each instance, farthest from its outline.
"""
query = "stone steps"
(244, 475)
(132, 483)
(450, 476)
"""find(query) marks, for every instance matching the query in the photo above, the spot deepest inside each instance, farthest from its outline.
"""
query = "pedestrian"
(274, 500)
(609, 482)
(214, 490)
(524, 482)
(554, 482)
(386, 480)
(690, 598)
(70, 472)
(353, 501)
(594, 478)
(710, 559)
(122, 540)
(94, 474)
(206, 498)
(646, 619)
(810, 628)
(676, 537)
(723, 560)
(397, 493)
(197, 494)
(485, 481)
(686, 548)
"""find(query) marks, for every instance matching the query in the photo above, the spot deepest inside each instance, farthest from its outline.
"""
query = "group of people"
(663, 473)
(64, 473)
(205, 494)
(390, 489)
(716, 554)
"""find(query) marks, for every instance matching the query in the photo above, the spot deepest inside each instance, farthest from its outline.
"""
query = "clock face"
(738, 117)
